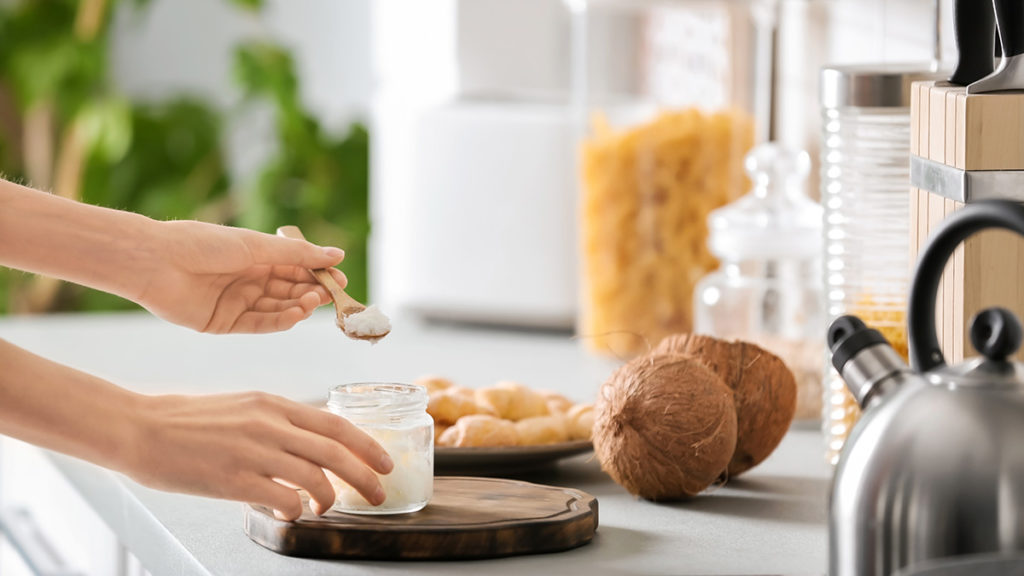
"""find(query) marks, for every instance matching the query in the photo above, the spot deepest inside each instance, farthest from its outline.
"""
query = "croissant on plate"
(505, 414)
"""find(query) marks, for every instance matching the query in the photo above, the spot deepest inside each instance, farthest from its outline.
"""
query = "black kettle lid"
(996, 334)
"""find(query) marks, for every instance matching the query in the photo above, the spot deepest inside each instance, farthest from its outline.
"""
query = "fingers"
(304, 474)
(339, 277)
(308, 301)
(335, 457)
(295, 275)
(275, 250)
(252, 322)
(286, 502)
(332, 426)
(286, 289)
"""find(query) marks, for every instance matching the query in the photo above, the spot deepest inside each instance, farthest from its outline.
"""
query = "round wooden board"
(466, 518)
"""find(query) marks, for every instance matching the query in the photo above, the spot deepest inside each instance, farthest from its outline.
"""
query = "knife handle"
(1010, 20)
(974, 28)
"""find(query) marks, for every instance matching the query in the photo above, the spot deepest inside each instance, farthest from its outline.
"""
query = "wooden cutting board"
(466, 518)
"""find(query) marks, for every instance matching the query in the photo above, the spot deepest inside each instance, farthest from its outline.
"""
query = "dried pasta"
(647, 192)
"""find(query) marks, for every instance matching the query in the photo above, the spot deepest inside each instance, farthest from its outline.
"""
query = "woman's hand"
(251, 447)
(234, 446)
(219, 279)
(207, 277)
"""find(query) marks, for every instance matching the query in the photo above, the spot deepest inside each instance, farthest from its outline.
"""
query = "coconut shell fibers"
(764, 390)
(665, 427)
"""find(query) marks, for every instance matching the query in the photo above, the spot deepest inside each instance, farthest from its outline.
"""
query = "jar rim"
(373, 397)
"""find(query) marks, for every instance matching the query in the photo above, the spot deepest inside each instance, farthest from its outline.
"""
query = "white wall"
(176, 45)
(813, 34)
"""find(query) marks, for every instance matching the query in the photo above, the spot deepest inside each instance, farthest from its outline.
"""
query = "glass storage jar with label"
(767, 289)
(395, 415)
(671, 95)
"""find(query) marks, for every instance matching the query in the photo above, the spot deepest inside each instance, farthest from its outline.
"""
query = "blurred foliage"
(315, 181)
(64, 127)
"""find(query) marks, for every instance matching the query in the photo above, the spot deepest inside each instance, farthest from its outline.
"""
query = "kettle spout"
(863, 357)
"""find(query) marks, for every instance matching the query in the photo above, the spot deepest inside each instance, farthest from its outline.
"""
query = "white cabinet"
(46, 527)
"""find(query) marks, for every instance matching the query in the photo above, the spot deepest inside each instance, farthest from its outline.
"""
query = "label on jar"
(687, 57)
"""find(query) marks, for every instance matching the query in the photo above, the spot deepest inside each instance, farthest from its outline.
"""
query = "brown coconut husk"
(665, 427)
(764, 391)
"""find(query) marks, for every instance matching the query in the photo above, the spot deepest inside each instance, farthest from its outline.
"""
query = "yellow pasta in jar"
(647, 191)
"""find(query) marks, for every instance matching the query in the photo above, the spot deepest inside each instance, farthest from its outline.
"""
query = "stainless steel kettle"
(935, 466)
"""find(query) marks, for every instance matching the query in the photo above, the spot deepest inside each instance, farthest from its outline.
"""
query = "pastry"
(438, 430)
(480, 430)
(434, 383)
(494, 401)
(557, 403)
(580, 421)
(505, 414)
(539, 430)
(523, 402)
(447, 406)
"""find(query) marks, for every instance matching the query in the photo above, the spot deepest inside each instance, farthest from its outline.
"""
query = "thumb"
(280, 251)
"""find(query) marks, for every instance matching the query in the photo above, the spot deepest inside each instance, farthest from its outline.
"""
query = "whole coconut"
(665, 427)
(764, 391)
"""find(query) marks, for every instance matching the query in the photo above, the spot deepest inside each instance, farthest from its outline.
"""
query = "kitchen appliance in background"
(474, 199)
(933, 471)
(494, 228)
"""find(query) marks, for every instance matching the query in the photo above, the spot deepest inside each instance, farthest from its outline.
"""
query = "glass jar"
(865, 180)
(670, 96)
(767, 289)
(395, 415)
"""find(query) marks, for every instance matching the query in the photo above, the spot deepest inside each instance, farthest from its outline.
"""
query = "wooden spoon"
(344, 305)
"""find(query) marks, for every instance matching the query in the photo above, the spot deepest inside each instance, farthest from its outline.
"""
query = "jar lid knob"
(776, 219)
(772, 164)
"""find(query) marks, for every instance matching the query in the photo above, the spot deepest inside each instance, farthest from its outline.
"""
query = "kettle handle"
(925, 353)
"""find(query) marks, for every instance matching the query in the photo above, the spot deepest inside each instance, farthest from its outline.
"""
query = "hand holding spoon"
(355, 320)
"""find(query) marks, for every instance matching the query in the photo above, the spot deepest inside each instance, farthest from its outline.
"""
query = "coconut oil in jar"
(395, 415)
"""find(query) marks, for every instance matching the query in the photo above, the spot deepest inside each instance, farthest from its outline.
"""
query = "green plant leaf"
(106, 128)
(251, 5)
(264, 69)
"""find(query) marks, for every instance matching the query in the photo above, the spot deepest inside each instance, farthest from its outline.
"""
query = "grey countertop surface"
(772, 520)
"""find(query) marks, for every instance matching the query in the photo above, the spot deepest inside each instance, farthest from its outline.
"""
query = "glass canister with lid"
(767, 289)
(865, 182)
(395, 415)
(670, 96)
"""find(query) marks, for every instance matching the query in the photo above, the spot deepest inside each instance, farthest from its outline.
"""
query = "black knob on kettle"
(847, 336)
(996, 333)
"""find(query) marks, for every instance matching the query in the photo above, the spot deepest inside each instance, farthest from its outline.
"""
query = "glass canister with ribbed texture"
(865, 180)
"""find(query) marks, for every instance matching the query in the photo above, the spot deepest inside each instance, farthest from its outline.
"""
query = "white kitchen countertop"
(771, 520)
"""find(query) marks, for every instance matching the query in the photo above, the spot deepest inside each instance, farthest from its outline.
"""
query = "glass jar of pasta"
(670, 95)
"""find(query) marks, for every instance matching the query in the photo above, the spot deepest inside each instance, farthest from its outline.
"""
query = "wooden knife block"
(970, 132)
